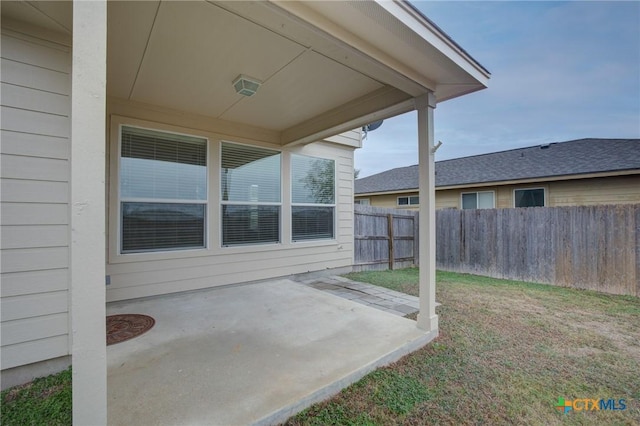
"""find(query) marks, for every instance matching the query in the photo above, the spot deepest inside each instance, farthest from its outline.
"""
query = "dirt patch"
(15, 391)
(619, 335)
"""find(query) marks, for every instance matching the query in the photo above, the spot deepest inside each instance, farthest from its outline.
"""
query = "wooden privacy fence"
(589, 247)
(384, 238)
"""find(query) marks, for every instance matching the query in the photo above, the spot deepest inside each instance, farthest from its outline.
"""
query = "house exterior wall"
(147, 274)
(351, 138)
(610, 190)
(574, 192)
(35, 212)
(390, 200)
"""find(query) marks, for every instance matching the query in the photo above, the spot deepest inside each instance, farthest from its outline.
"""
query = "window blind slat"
(162, 166)
(158, 226)
(312, 223)
(250, 175)
(250, 224)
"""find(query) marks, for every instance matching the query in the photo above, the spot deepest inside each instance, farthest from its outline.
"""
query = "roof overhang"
(542, 179)
(325, 67)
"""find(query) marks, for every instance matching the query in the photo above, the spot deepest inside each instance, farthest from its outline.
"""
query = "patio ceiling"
(326, 67)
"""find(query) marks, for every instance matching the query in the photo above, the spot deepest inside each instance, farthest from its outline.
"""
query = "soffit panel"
(51, 15)
(281, 21)
(129, 25)
(307, 87)
(410, 52)
(60, 12)
(195, 52)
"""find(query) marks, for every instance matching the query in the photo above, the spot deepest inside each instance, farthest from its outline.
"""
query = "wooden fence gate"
(384, 238)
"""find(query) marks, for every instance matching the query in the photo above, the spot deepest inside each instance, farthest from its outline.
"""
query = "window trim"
(112, 211)
(545, 192)
(477, 192)
(368, 201)
(408, 197)
(205, 202)
(221, 202)
(213, 220)
(334, 205)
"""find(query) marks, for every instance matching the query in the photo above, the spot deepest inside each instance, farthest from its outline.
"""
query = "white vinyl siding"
(148, 274)
(351, 138)
(35, 195)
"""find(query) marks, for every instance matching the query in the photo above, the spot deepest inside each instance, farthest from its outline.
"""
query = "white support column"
(88, 109)
(427, 318)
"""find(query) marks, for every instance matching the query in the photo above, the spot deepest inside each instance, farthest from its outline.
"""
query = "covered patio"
(162, 75)
(247, 354)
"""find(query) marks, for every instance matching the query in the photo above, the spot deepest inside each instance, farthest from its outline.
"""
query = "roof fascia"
(413, 19)
(373, 194)
(543, 179)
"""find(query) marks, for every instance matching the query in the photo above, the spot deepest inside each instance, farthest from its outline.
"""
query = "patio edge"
(282, 414)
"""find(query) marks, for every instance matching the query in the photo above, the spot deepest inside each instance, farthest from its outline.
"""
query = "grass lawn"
(45, 401)
(506, 352)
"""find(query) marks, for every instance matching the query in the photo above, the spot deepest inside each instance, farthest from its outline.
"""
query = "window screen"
(478, 200)
(485, 200)
(470, 201)
(250, 192)
(409, 201)
(312, 197)
(163, 191)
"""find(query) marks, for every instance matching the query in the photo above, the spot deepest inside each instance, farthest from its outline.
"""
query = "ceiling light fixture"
(245, 85)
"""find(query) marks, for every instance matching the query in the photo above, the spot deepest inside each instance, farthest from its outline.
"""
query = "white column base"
(428, 323)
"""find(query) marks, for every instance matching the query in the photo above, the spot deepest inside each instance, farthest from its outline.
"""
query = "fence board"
(384, 238)
(589, 247)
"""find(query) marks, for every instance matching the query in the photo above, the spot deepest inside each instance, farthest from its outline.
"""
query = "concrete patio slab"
(250, 354)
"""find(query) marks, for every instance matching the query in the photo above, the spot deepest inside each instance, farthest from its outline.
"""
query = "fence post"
(390, 234)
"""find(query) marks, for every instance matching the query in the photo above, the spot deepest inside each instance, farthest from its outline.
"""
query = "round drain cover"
(127, 326)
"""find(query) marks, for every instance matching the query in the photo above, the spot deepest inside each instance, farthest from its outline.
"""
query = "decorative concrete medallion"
(127, 326)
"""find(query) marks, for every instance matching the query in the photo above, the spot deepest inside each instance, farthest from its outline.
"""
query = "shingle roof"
(577, 157)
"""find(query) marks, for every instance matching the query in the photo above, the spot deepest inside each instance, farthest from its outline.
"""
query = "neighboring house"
(133, 164)
(580, 172)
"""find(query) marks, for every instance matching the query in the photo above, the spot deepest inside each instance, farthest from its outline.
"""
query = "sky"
(559, 71)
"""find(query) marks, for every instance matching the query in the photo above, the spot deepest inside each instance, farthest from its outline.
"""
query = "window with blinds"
(163, 191)
(250, 194)
(312, 198)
